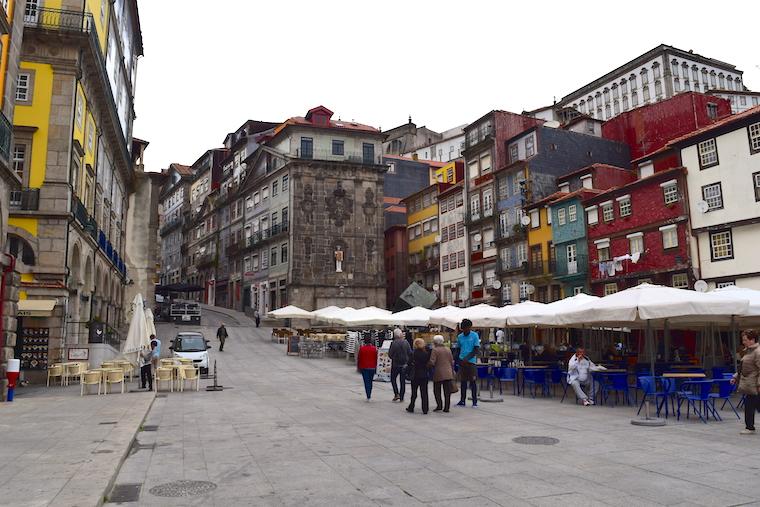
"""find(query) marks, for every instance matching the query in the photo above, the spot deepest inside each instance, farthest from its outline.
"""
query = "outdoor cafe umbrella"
(137, 335)
(290, 312)
(418, 316)
(484, 315)
(449, 316)
(368, 316)
(150, 322)
(750, 318)
(328, 313)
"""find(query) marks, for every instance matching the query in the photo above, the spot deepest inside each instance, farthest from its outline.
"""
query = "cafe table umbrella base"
(491, 398)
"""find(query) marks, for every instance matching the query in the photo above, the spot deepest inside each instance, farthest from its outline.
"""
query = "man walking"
(146, 366)
(578, 376)
(256, 316)
(468, 342)
(399, 353)
(221, 334)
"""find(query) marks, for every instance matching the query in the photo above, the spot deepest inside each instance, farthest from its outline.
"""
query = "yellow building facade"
(541, 253)
(422, 235)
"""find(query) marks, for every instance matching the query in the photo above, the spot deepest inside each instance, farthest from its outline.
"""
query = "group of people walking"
(419, 364)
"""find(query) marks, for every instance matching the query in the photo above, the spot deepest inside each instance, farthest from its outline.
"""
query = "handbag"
(453, 387)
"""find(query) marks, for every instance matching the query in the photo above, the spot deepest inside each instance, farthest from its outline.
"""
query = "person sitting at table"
(579, 376)
(468, 342)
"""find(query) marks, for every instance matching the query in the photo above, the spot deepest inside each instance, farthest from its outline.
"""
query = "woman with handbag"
(418, 373)
(366, 363)
(442, 363)
(748, 378)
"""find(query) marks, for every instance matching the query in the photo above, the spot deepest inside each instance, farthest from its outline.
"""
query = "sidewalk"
(59, 448)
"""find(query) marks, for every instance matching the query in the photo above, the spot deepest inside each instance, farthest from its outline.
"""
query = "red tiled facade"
(653, 219)
(396, 260)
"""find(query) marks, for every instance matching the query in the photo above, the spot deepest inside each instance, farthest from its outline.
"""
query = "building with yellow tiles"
(72, 152)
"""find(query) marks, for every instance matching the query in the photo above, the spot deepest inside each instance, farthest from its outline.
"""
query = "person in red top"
(367, 363)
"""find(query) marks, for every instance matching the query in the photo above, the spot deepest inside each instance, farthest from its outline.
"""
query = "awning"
(35, 307)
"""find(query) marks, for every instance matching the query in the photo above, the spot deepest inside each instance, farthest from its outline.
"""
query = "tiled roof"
(592, 166)
(184, 170)
(333, 124)
(581, 192)
(546, 200)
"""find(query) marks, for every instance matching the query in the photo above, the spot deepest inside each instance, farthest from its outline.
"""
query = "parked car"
(192, 346)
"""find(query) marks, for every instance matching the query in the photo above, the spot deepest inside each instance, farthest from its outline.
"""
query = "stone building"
(328, 251)
(11, 31)
(175, 205)
(72, 142)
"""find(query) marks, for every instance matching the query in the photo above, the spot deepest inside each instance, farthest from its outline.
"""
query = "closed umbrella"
(150, 322)
(137, 335)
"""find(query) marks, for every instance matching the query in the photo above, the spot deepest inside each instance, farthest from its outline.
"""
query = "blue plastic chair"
(617, 383)
(725, 390)
(484, 375)
(696, 394)
(670, 389)
(507, 375)
(718, 371)
(649, 389)
(556, 378)
(535, 378)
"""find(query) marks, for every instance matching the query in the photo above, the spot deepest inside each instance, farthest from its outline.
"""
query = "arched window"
(19, 248)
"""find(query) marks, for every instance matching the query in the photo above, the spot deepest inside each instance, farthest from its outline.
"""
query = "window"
(522, 252)
(577, 290)
(337, 147)
(708, 153)
(754, 137)
(460, 230)
(444, 235)
(624, 203)
(256, 198)
(275, 185)
(561, 216)
(513, 153)
(460, 258)
(19, 160)
(680, 281)
(452, 232)
(475, 206)
(488, 202)
(535, 219)
(23, 86)
(475, 242)
(524, 290)
(670, 192)
(608, 213)
(485, 164)
(713, 196)
(721, 245)
(572, 213)
(368, 153)
(635, 243)
(273, 256)
(450, 175)
(592, 215)
(530, 148)
(284, 253)
(634, 99)
(426, 227)
(756, 181)
(307, 147)
(603, 252)
(669, 236)
(472, 167)
(445, 263)
(712, 110)
(610, 288)
(720, 285)
(265, 193)
(517, 184)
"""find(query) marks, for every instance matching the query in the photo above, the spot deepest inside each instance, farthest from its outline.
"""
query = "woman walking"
(748, 378)
(367, 363)
(418, 372)
(442, 363)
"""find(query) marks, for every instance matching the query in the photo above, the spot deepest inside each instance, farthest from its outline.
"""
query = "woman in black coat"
(418, 373)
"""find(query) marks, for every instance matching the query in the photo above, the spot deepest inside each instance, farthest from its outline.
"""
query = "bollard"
(14, 365)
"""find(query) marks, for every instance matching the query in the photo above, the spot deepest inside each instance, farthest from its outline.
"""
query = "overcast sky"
(210, 66)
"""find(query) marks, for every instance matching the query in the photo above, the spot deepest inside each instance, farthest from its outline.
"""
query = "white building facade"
(454, 286)
(449, 148)
(723, 163)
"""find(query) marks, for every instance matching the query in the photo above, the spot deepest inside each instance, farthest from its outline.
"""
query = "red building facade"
(396, 259)
(639, 233)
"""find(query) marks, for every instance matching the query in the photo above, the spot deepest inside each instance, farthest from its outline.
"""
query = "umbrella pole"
(734, 344)
(647, 420)
(666, 339)
(650, 340)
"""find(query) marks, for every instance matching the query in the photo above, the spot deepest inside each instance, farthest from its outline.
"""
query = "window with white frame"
(517, 183)
(756, 182)
(636, 243)
(708, 153)
(522, 252)
(477, 278)
(535, 219)
(572, 213)
(490, 277)
(669, 236)
(524, 290)
(561, 216)
(577, 290)
(730, 283)
(608, 213)
(610, 288)
(513, 153)
(505, 255)
(754, 137)
(19, 159)
(530, 147)
(485, 164)
(488, 239)
(592, 215)
(624, 203)
(713, 196)
(680, 281)
(488, 202)
(504, 224)
(476, 242)
(23, 87)
(670, 192)
(506, 293)
(721, 245)
(475, 206)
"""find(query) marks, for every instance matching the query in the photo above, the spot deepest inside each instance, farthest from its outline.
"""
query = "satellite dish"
(436, 287)
(531, 289)
(437, 239)
(700, 285)
(702, 206)
(477, 237)
(525, 220)
(496, 284)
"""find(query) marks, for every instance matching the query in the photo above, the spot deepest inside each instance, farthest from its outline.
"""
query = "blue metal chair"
(649, 390)
(725, 390)
(535, 378)
(617, 383)
(484, 375)
(556, 378)
(670, 390)
(696, 394)
(507, 375)
(718, 371)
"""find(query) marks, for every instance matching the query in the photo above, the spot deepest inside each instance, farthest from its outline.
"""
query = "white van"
(192, 345)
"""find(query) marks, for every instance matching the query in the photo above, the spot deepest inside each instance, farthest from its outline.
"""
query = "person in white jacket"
(579, 370)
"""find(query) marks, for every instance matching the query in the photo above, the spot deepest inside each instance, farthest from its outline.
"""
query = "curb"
(124, 456)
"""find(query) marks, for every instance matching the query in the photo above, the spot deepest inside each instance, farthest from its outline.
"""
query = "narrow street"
(292, 431)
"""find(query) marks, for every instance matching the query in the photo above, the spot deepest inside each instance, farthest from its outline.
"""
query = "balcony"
(84, 219)
(511, 233)
(429, 264)
(477, 135)
(471, 218)
(26, 199)
(329, 156)
(260, 237)
(205, 260)
(541, 268)
(504, 267)
(171, 225)
(233, 248)
(6, 132)
(578, 267)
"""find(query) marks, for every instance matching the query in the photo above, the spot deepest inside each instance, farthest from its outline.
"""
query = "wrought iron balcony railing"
(6, 132)
(579, 266)
(345, 156)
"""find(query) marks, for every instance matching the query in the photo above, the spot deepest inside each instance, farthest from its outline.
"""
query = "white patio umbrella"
(290, 312)
(417, 316)
(484, 315)
(752, 316)
(150, 322)
(329, 314)
(368, 316)
(531, 313)
(449, 316)
(137, 335)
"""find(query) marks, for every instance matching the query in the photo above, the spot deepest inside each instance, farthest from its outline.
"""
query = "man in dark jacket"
(399, 353)
(221, 334)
